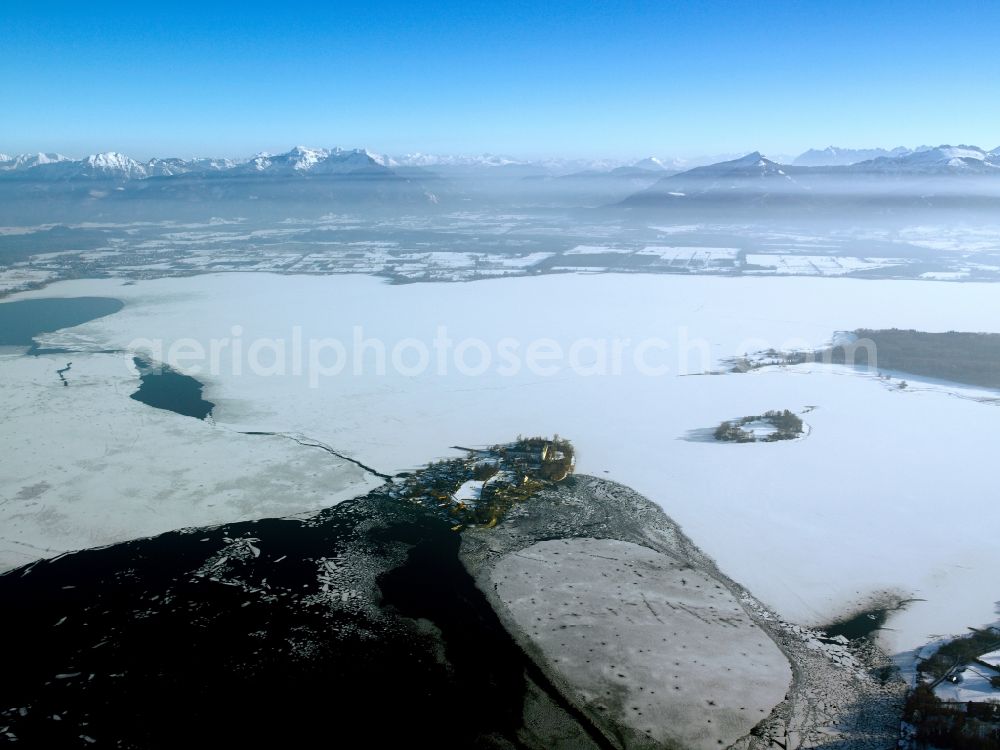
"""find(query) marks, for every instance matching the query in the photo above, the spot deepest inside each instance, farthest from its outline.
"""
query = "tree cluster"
(787, 426)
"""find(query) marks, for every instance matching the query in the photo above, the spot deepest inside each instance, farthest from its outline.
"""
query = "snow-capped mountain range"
(26, 161)
(754, 179)
(753, 165)
(832, 156)
(443, 160)
(174, 166)
(750, 175)
(953, 159)
(938, 160)
(115, 166)
(901, 159)
(303, 161)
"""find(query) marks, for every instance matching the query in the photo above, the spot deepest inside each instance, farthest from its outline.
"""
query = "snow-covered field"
(974, 687)
(13, 279)
(814, 527)
(820, 265)
(691, 256)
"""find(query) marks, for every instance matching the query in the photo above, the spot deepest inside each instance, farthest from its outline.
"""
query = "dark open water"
(22, 320)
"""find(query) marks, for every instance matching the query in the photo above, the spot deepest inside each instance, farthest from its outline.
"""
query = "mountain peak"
(27, 161)
(650, 163)
(108, 158)
(835, 156)
(753, 163)
(750, 177)
(935, 159)
(751, 158)
(112, 164)
(303, 160)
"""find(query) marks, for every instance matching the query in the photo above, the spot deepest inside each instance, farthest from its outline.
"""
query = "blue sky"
(525, 78)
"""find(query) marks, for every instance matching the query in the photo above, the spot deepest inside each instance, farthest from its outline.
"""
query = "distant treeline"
(972, 358)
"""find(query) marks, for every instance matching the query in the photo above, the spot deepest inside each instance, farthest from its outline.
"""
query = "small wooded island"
(768, 427)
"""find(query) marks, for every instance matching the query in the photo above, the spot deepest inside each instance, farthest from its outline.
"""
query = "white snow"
(304, 158)
(523, 261)
(27, 161)
(813, 527)
(597, 250)
(962, 158)
(677, 228)
(691, 256)
(760, 428)
(973, 687)
(945, 275)
(440, 160)
(961, 238)
(113, 163)
(817, 265)
(86, 466)
(469, 492)
(16, 278)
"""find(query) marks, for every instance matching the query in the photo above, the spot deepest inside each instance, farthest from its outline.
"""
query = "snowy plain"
(816, 528)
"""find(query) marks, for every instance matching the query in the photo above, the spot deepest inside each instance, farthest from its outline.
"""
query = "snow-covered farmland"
(814, 527)
(22, 277)
(597, 250)
(693, 257)
(819, 265)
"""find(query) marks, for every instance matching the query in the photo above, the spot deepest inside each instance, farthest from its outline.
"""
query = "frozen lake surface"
(817, 528)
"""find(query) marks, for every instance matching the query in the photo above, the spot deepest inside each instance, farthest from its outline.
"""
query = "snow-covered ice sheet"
(85, 465)
(814, 527)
